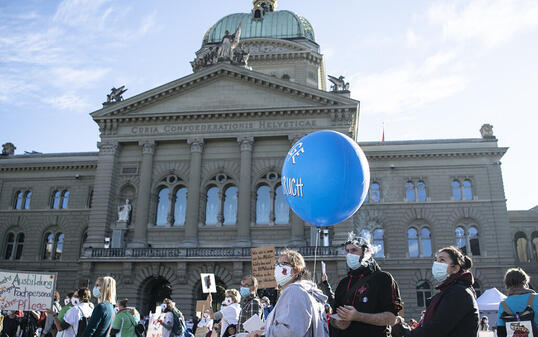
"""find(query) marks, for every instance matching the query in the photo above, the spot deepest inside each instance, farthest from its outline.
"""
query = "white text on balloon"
(292, 186)
(296, 151)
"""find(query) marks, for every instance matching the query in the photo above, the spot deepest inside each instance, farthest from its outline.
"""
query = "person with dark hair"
(10, 324)
(125, 321)
(367, 301)
(520, 297)
(300, 310)
(75, 319)
(231, 330)
(453, 312)
(49, 321)
(67, 305)
(251, 304)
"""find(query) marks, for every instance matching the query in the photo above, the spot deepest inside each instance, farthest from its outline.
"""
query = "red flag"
(383, 137)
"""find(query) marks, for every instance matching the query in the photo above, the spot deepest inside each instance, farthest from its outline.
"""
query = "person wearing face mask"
(251, 304)
(267, 307)
(67, 305)
(76, 318)
(300, 310)
(367, 301)
(453, 312)
(101, 320)
(203, 329)
(230, 313)
(49, 328)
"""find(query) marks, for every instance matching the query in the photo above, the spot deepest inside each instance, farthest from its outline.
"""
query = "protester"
(203, 329)
(28, 326)
(250, 304)
(300, 309)
(267, 307)
(125, 321)
(230, 313)
(101, 320)
(50, 328)
(68, 305)
(453, 312)
(367, 301)
(231, 330)
(484, 326)
(516, 281)
(10, 324)
(176, 327)
(76, 318)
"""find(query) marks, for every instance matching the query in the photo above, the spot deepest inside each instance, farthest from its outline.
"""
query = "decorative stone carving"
(339, 85)
(108, 147)
(115, 95)
(148, 147)
(124, 211)
(487, 131)
(246, 143)
(8, 149)
(197, 144)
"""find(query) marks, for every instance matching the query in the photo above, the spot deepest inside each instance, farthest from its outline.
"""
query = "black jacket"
(456, 314)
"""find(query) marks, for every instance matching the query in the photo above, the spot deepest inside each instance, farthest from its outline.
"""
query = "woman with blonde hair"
(228, 314)
(300, 310)
(101, 320)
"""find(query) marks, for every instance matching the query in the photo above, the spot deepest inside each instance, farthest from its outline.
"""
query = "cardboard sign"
(519, 329)
(263, 266)
(208, 283)
(26, 291)
(155, 328)
(202, 306)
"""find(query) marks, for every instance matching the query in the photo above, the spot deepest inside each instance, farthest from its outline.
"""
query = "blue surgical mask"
(96, 292)
(244, 291)
(353, 261)
(440, 271)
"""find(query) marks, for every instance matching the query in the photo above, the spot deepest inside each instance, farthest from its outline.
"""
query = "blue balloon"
(325, 178)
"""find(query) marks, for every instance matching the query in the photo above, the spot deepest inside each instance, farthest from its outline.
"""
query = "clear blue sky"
(428, 69)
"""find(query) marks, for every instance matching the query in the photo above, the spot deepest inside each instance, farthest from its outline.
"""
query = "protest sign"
(263, 266)
(155, 328)
(26, 291)
(202, 306)
(208, 283)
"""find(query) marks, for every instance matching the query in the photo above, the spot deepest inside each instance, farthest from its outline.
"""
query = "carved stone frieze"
(197, 144)
(246, 143)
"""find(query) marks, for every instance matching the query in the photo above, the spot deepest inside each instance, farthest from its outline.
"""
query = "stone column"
(193, 192)
(297, 224)
(243, 218)
(103, 213)
(144, 189)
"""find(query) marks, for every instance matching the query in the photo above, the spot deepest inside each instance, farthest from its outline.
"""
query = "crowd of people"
(366, 303)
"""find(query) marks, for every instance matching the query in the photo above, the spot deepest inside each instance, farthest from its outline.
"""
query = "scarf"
(519, 291)
(466, 278)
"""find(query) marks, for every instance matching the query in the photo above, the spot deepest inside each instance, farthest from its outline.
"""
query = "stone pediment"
(222, 88)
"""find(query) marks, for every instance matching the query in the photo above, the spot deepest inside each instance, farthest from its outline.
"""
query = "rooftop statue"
(338, 84)
(115, 95)
(228, 44)
(8, 149)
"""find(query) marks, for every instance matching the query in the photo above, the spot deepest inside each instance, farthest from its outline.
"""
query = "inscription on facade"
(176, 129)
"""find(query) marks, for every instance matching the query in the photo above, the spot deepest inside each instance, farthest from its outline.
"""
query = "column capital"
(294, 138)
(246, 143)
(108, 147)
(197, 144)
(148, 146)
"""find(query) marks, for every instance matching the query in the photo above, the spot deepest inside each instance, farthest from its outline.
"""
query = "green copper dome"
(278, 24)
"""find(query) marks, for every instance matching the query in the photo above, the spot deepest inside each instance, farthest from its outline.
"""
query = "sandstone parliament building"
(199, 159)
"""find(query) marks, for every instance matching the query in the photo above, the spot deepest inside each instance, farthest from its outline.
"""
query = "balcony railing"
(194, 252)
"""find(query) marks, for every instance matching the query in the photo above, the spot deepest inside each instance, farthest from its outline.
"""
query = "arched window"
(10, 245)
(90, 199)
(180, 207)
(461, 241)
(163, 206)
(379, 243)
(522, 247)
(19, 243)
(456, 190)
(412, 242)
(22, 200)
(424, 291)
(212, 206)
(534, 242)
(375, 192)
(230, 206)
(410, 191)
(53, 246)
(467, 190)
(282, 209)
(425, 242)
(473, 241)
(421, 191)
(65, 199)
(263, 205)
(56, 197)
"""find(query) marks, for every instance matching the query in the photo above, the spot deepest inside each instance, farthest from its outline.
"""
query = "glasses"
(283, 264)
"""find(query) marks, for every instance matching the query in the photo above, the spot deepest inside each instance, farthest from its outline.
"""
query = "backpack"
(140, 329)
(178, 328)
(82, 323)
(520, 324)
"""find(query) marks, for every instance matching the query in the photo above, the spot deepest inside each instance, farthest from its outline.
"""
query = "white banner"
(519, 329)
(26, 291)
(155, 328)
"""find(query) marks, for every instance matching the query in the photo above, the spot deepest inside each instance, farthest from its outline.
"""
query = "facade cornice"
(406, 154)
(47, 167)
(313, 58)
(318, 97)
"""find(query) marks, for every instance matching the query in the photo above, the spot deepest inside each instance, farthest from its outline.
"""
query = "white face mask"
(440, 271)
(264, 305)
(75, 301)
(206, 315)
(282, 274)
(67, 301)
(228, 301)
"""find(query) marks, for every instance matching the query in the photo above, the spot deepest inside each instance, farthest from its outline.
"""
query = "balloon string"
(316, 253)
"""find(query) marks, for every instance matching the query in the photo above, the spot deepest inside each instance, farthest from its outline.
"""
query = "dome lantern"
(261, 7)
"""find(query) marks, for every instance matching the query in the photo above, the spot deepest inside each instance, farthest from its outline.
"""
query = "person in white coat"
(228, 314)
(204, 325)
(82, 307)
